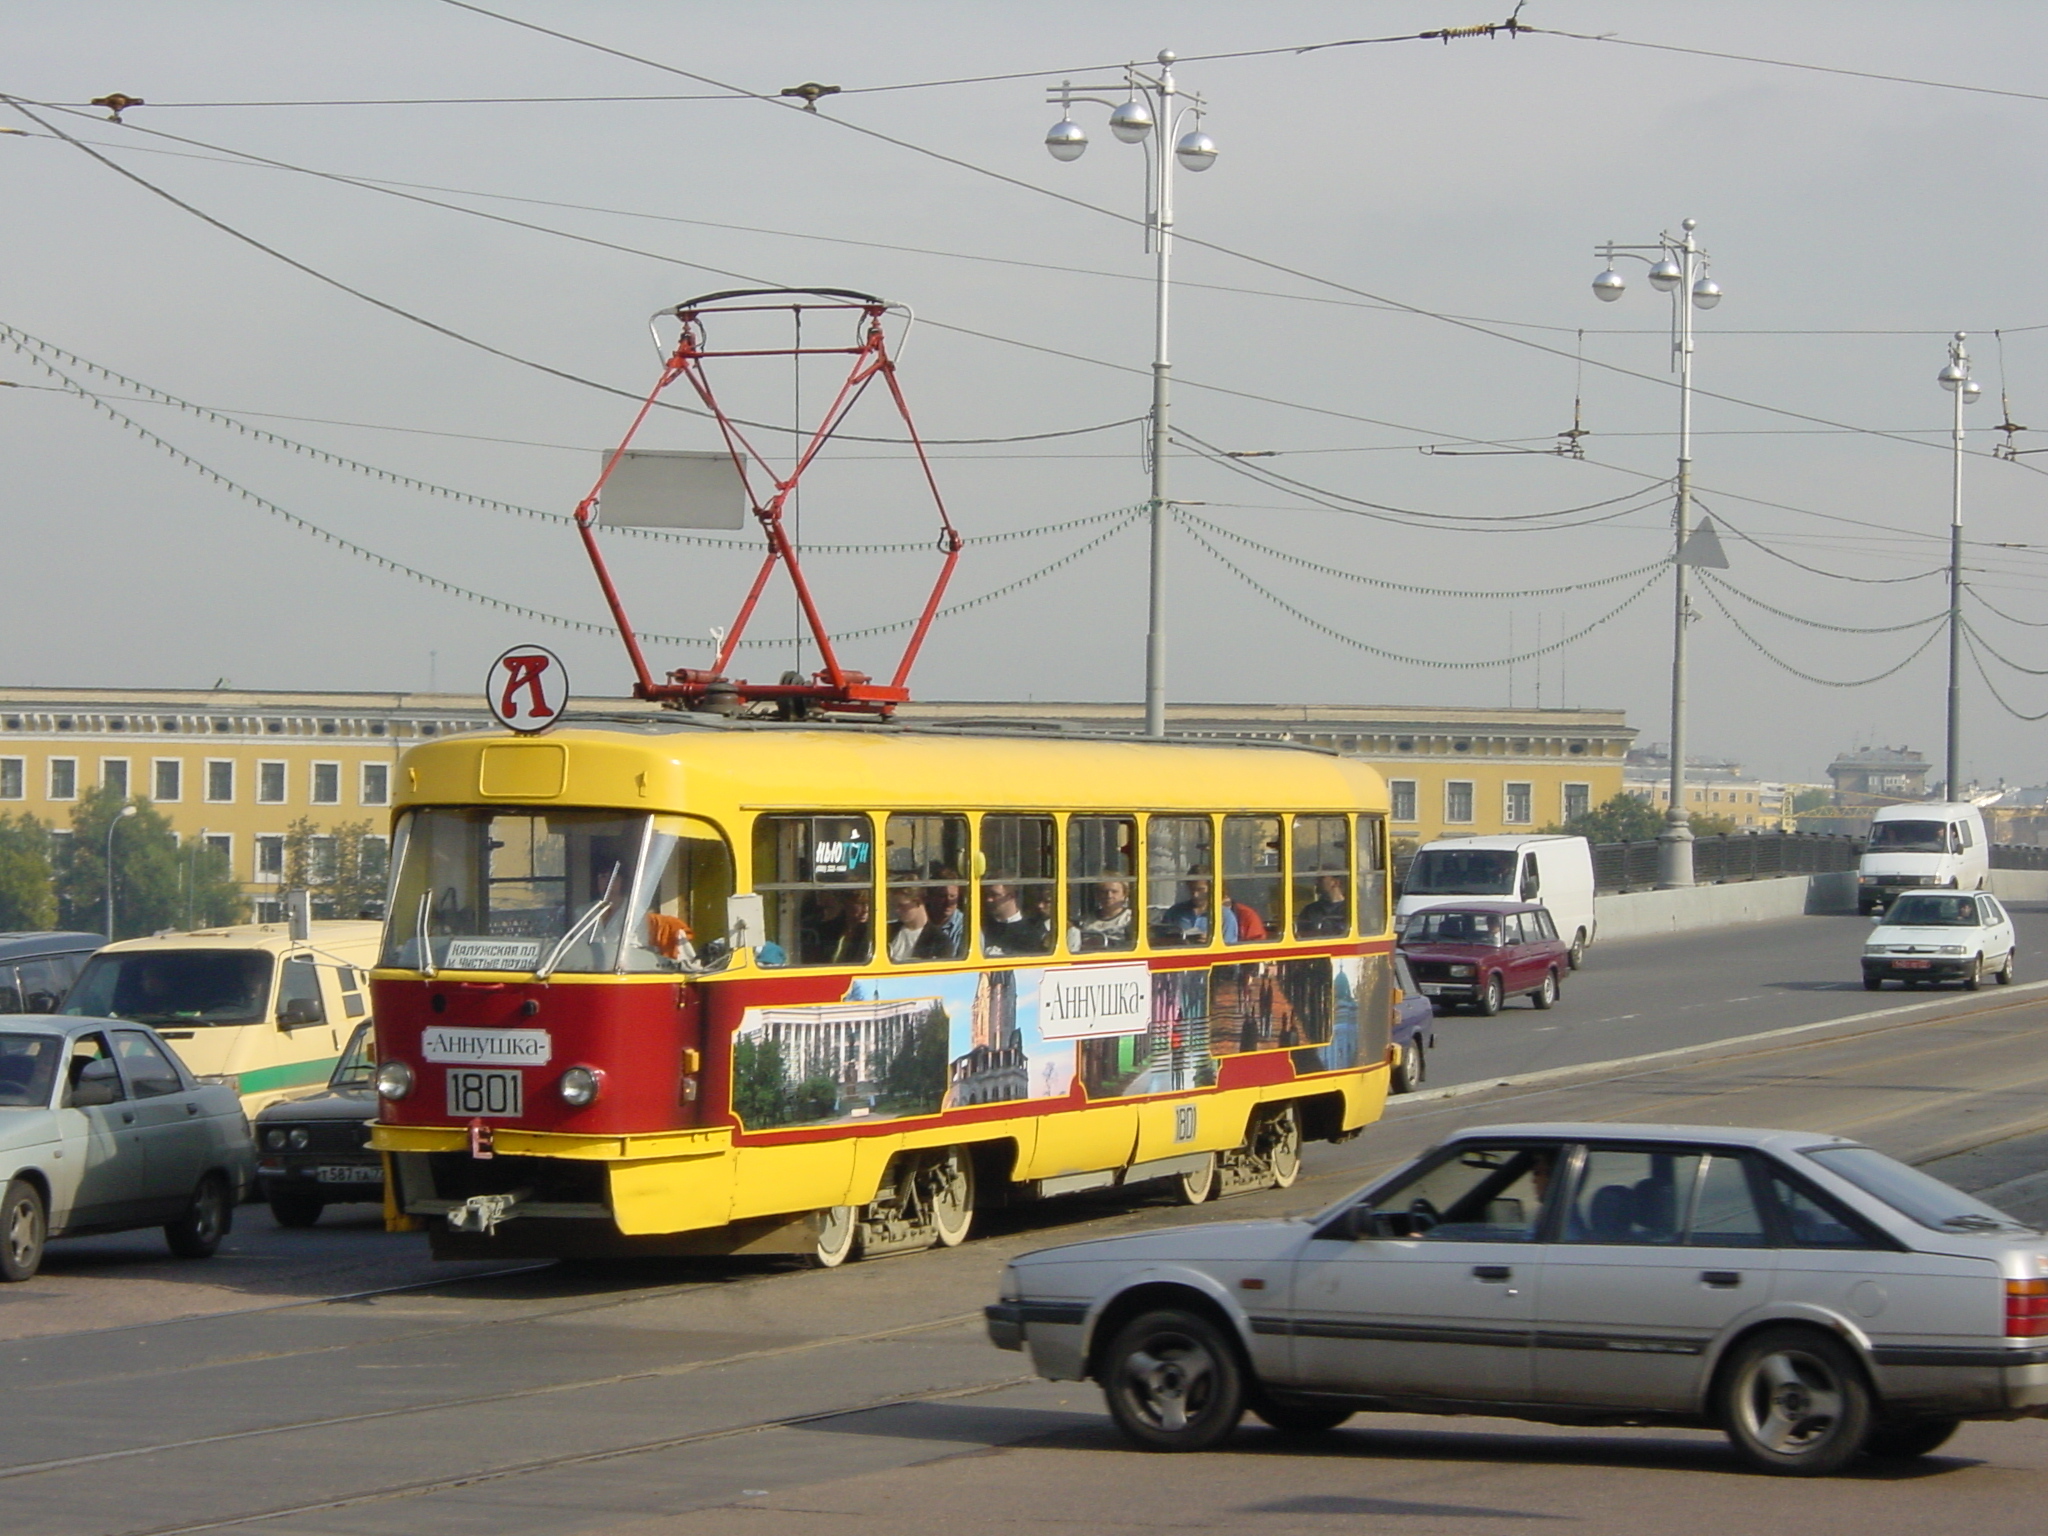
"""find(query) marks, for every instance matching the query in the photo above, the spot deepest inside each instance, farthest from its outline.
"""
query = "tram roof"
(683, 761)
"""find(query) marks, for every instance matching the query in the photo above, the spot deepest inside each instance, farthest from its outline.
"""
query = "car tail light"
(2026, 1309)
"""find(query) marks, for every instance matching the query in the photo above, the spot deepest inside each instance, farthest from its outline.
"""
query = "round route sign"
(528, 688)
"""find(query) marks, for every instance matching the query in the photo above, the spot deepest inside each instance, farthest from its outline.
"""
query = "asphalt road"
(1640, 995)
(680, 1398)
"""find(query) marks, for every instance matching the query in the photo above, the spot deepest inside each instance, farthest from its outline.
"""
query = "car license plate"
(1911, 965)
(351, 1173)
(1431, 989)
(473, 1093)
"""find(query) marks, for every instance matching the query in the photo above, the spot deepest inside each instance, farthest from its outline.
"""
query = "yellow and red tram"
(695, 984)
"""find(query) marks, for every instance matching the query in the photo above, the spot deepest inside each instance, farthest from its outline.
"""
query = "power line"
(2001, 656)
(2009, 618)
(1826, 682)
(1970, 643)
(1722, 584)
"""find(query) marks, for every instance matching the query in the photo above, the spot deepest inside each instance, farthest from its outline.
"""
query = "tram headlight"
(301, 1138)
(394, 1080)
(580, 1086)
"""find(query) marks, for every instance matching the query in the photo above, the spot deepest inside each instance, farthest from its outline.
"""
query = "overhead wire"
(1722, 584)
(2002, 657)
(1778, 661)
(2009, 618)
(1970, 644)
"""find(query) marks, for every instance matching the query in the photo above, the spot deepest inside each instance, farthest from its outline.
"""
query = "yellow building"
(1712, 789)
(239, 767)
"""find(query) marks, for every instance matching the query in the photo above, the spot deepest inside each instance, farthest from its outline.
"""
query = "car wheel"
(1199, 1186)
(24, 1228)
(1873, 983)
(1173, 1382)
(1546, 994)
(1576, 956)
(1793, 1401)
(1490, 999)
(1409, 1067)
(2005, 971)
(1974, 977)
(197, 1233)
(1300, 1419)
(952, 1199)
(838, 1228)
(294, 1205)
(1914, 1437)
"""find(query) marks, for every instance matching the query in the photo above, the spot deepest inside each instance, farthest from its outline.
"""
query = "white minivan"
(1936, 845)
(1554, 870)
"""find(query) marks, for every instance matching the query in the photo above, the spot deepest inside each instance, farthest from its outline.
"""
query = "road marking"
(1555, 1074)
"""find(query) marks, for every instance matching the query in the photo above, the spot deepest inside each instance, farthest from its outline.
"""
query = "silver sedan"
(1811, 1297)
(102, 1128)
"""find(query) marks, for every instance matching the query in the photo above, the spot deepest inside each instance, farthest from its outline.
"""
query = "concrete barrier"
(2019, 884)
(1635, 914)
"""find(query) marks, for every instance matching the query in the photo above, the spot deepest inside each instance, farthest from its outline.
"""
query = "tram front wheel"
(838, 1227)
(951, 1187)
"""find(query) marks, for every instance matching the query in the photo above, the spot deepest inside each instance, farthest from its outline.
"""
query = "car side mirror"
(300, 1011)
(99, 1082)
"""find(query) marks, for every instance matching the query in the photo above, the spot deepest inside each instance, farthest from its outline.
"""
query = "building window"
(222, 843)
(270, 783)
(1520, 805)
(269, 856)
(376, 783)
(269, 910)
(220, 780)
(1458, 800)
(1578, 800)
(63, 778)
(320, 859)
(114, 776)
(1403, 795)
(13, 778)
(327, 783)
(376, 857)
(167, 782)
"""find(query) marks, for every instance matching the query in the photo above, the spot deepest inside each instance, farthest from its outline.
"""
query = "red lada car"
(1478, 955)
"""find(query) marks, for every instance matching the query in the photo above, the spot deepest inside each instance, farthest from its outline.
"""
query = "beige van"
(249, 1002)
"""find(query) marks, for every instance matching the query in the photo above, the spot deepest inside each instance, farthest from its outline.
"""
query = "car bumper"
(337, 1179)
(1053, 1332)
(1928, 968)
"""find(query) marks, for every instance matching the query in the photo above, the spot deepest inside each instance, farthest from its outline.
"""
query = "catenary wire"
(1999, 655)
(1825, 682)
(2009, 618)
(1721, 584)
(1977, 661)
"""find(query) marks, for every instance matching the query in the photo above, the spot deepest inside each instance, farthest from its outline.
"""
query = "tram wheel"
(1196, 1187)
(1283, 1146)
(951, 1177)
(838, 1230)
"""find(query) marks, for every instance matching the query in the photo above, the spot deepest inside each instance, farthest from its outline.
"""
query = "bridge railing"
(1736, 856)
(2018, 856)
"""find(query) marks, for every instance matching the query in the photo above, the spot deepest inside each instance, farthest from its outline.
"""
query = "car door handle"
(1721, 1279)
(1492, 1274)
(127, 1117)
(191, 1109)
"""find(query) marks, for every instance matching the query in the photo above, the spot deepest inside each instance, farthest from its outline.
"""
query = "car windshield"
(175, 986)
(1932, 912)
(1461, 872)
(356, 1069)
(1453, 928)
(28, 1070)
(1912, 1193)
(1909, 836)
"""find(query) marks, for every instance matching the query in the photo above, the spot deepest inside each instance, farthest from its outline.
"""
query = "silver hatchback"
(1811, 1297)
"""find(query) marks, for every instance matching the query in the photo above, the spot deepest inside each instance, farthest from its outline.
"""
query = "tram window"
(816, 878)
(927, 919)
(1251, 878)
(1102, 883)
(513, 890)
(680, 898)
(1180, 861)
(1019, 879)
(1372, 874)
(1322, 877)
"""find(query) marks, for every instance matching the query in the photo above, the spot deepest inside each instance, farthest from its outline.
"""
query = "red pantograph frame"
(833, 689)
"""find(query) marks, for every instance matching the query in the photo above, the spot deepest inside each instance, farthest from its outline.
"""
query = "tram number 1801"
(472, 1093)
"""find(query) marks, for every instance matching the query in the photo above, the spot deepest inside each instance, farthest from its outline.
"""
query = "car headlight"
(580, 1086)
(1461, 970)
(1953, 949)
(300, 1138)
(274, 1139)
(394, 1080)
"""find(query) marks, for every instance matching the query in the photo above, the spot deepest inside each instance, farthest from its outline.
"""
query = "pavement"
(147, 1398)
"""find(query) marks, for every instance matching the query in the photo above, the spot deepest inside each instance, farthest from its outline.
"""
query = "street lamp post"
(1955, 378)
(1150, 102)
(1679, 268)
(127, 810)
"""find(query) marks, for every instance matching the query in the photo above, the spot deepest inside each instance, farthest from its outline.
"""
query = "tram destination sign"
(455, 1046)
(1081, 1002)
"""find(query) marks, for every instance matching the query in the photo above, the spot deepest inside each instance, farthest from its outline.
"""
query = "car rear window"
(1913, 1194)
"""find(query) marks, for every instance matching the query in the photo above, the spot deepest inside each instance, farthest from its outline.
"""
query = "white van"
(1911, 847)
(249, 1003)
(1556, 871)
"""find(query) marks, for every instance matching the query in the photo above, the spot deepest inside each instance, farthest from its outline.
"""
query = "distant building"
(1712, 788)
(1879, 776)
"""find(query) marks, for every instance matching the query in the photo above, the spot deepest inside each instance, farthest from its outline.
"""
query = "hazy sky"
(1438, 206)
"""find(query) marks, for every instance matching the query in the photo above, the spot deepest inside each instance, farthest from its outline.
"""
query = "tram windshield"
(540, 891)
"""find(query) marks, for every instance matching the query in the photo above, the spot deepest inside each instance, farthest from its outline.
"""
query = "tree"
(1624, 819)
(213, 897)
(148, 874)
(342, 869)
(28, 899)
(913, 1079)
(1713, 826)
